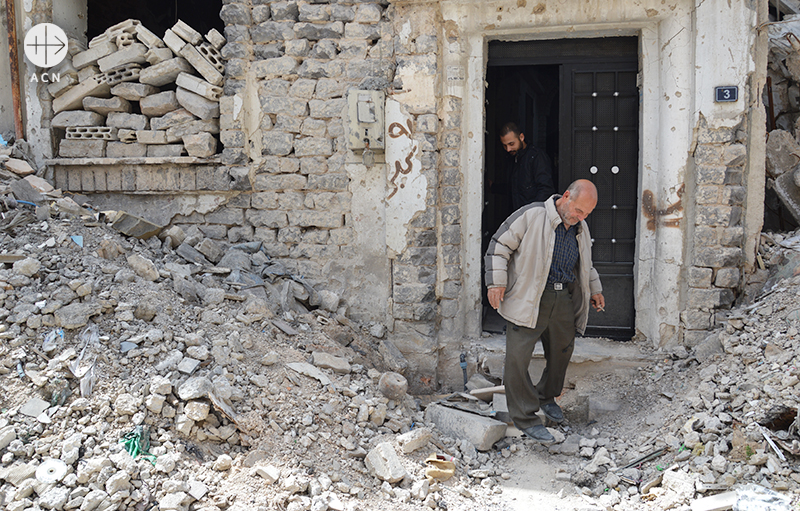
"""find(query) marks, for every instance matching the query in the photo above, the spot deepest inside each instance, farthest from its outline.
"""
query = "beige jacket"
(519, 257)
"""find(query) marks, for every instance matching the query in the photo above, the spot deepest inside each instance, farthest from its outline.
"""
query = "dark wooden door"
(599, 141)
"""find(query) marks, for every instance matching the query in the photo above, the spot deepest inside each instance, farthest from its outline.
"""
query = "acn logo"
(45, 45)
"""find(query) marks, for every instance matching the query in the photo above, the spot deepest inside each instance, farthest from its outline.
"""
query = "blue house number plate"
(727, 93)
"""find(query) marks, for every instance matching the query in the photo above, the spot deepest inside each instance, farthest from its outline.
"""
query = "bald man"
(541, 280)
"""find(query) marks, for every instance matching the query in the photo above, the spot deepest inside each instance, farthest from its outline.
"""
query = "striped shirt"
(565, 255)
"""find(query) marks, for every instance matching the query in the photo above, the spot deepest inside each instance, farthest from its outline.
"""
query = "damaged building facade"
(357, 137)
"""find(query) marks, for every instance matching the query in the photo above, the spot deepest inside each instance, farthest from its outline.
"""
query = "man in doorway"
(541, 280)
(530, 174)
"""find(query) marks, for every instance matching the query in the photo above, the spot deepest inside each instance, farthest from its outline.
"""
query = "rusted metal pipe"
(13, 55)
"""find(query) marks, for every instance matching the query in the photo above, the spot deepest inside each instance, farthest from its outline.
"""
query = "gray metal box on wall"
(365, 109)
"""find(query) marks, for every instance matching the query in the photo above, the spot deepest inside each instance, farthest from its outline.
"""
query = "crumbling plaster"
(682, 59)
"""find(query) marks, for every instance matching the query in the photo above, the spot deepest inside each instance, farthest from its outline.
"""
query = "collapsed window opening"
(156, 15)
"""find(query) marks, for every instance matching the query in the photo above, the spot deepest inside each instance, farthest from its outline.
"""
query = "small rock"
(393, 386)
(328, 361)
(223, 462)
(143, 267)
(28, 266)
(270, 473)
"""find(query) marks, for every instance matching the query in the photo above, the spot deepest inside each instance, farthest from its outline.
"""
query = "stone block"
(106, 106)
(172, 119)
(327, 109)
(415, 439)
(73, 99)
(176, 133)
(696, 320)
(127, 121)
(481, 432)
(159, 104)
(132, 225)
(133, 91)
(151, 137)
(215, 38)
(124, 150)
(718, 257)
(312, 146)
(187, 33)
(318, 31)
(382, 462)
(267, 218)
(700, 277)
(148, 38)
(165, 151)
(126, 135)
(200, 145)
(92, 55)
(133, 54)
(275, 67)
(77, 118)
(165, 72)
(82, 148)
(199, 86)
(707, 299)
(727, 277)
(276, 143)
(206, 69)
(197, 105)
(158, 55)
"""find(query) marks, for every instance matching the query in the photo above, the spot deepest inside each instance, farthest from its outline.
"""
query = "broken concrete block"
(171, 119)
(133, 54)
(268, 472)
(206, 69)
(88, 72)
(126, 150)
(113, 31)
(73, 98)
(165, 72)
(135, 226)
(482, 432)
(191, 254)
(200, 145)
(91, 133)
(783, 152)
(129, 121)
(196, 104)
(77, 118)
(93, 54)
(63, 85)
(143, 267)
(211, 250)
(151, 137)
(789, 193)
(187, 33)
(176, 133)
(148, 38)
(133, 91)
(415, 439)
(165, 151)
(199, 86)
(82, 148)
(159, 104)
(718, 502)
(19, 167)
(106, 106)
(126, 135)
(383, 463)
(123, 73)
(158, 55)
(328, 361)
(173, 41)
(216, 39)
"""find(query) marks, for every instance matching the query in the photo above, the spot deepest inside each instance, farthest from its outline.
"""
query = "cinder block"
(82, 148)
(106, 106)
(165, 151)
(216, 39)
(171, 119)
(151, 137)
(173, 41)
(77, 118)
(199, 86)
(88, 72)
(93, 54)
(164, 72)
(73, 98)
(133, 54)
(60, 87)
(111, 33)
(206, 69)
(200, 145)
(133, 91)
(124, 40)
(124, 73)
(91, 133)
(177, 133)
(482, 432)
(196, 104)
(126, 135)
(159, 104)
(212, 55)
(129, 121)
(148, 38)
(158, 55)
(187, 33)
(123, 150)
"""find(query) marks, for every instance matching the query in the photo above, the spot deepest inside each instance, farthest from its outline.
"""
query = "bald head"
(577, 202)
(583, 186)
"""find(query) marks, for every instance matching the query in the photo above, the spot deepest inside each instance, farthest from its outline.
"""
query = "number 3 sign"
(727, 93)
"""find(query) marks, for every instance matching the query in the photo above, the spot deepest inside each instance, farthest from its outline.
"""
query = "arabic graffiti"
(397, 130)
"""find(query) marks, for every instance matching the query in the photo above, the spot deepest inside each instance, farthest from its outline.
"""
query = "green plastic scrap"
(137, 443)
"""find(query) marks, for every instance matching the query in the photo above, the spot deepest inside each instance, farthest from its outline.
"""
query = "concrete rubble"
(115, 87)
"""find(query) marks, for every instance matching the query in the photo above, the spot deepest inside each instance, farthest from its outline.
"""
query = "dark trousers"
(555, 326)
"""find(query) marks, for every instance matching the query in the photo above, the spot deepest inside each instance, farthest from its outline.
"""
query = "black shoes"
(553, 412)
(540, 434)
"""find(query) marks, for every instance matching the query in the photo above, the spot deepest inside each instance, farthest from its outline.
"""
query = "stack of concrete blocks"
(132, 94)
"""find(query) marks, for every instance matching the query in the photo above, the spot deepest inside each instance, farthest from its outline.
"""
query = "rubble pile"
(133, 94)
(231, 387)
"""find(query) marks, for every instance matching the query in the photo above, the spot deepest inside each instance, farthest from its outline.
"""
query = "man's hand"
(496, 295)
(598, 302)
